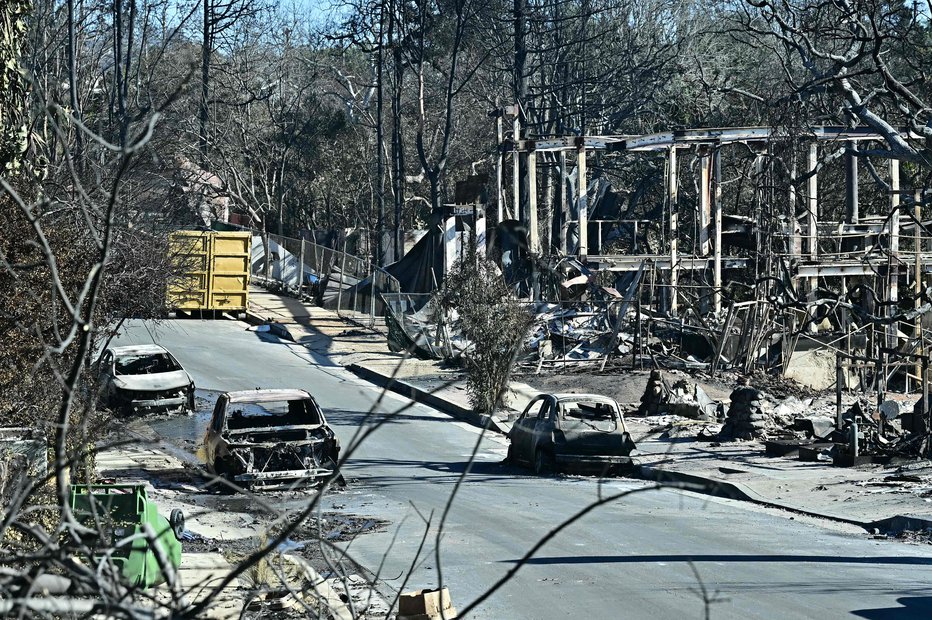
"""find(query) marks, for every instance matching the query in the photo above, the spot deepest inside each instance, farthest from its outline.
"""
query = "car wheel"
(223, 481)
(336, 477)
(176, 521)
(542, 462)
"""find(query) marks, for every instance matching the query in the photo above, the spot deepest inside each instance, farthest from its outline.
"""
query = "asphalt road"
(647, 555)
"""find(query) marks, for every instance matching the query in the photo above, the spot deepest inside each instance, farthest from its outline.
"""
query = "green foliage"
(493, 321)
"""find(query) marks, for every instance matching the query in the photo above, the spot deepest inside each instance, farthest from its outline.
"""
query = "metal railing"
(605, 227)
(333, 279)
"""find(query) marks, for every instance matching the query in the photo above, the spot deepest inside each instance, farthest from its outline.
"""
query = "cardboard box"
(425, 605)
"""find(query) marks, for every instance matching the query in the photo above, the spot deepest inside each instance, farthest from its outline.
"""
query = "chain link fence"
(333, 279)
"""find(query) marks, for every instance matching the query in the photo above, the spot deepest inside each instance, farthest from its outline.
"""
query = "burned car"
(571, 432)
(144, 378)
(270, 439)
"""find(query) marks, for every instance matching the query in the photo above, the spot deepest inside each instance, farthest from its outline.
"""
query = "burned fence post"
(342, 278)
(300, 268)
(266, 248)
(372, 293)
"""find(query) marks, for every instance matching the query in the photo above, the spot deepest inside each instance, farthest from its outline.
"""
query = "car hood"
(151, 383)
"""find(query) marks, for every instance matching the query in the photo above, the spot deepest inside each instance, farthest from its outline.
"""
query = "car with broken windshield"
(270, 439)
(572, 432)
(144, 379)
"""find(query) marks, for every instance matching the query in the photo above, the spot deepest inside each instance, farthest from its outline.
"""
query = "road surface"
(647, 555)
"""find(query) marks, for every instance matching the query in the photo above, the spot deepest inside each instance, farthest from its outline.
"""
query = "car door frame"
(544, 427)
(215, 427)
(522, 431)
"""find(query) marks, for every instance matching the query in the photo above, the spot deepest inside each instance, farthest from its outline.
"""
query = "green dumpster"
(118, 512)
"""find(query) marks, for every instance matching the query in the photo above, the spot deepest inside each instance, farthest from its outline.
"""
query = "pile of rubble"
(746, 416)
(751, 412)
(654, 395)
(683, 398)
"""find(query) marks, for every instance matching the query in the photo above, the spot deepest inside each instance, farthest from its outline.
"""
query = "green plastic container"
(120, 511)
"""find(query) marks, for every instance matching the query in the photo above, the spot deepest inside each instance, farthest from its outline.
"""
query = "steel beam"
(583, 206)
(662, 262)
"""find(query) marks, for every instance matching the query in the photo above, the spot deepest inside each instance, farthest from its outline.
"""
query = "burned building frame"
(799, 262)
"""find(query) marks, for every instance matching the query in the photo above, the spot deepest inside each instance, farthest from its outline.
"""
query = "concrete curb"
(702, 484)
(253, 319)
(738, 491)
(420, 395)
(696, 483)
(900, 523)
(276, 328)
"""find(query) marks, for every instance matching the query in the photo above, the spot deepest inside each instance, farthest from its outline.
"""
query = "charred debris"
(750, 251)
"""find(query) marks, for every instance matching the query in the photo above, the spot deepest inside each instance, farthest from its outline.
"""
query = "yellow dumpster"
(212, 271)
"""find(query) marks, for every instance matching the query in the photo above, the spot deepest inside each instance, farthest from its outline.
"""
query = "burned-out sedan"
(270, 439)
(144, 378)
(571, 432)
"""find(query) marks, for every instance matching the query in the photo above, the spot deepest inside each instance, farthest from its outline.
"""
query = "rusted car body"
(270, 439)
(144, 378)
(571, 432)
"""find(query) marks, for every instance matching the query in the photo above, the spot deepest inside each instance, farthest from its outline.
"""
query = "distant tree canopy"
(367, 116)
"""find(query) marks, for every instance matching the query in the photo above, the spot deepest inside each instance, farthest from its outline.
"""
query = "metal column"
(583, 205)
(705, 203)
(894, 227)
(812, 197)
(717, 217)
(516, 164)
(533, 232)
(851, 184)
(672, 200)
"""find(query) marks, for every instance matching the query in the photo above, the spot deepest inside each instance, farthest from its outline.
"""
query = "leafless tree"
(852, 63)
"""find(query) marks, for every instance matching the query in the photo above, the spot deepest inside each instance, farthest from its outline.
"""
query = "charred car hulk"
(573, 432)
(144, 378)
(270, 439)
